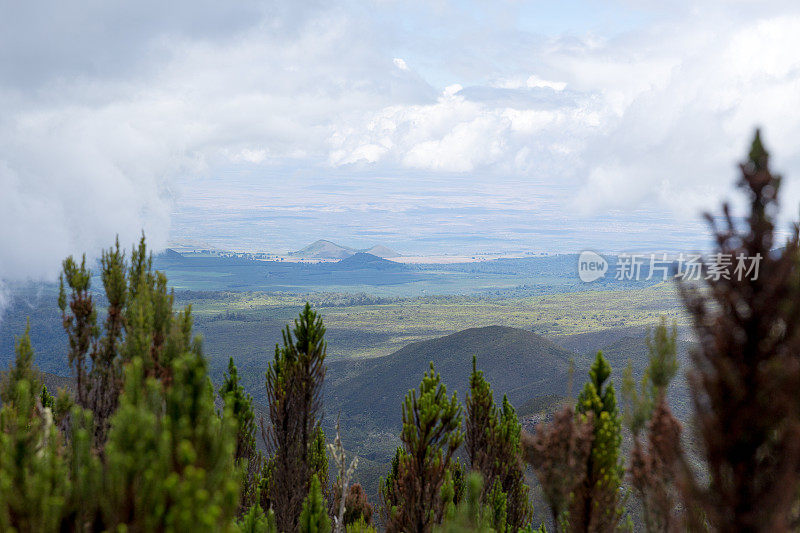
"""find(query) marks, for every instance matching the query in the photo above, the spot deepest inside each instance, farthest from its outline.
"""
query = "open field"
(372, 329)
(247, 325)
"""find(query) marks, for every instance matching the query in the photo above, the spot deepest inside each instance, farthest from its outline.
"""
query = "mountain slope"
(363, 260)
(323, 249)
(382, 251)
(516, 362)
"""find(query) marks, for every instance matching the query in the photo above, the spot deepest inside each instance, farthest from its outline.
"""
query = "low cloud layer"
(112, 115)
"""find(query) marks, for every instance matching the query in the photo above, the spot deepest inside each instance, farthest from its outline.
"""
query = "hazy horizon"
(433, 128)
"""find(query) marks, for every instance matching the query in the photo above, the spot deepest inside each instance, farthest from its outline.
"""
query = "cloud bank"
(114, 116)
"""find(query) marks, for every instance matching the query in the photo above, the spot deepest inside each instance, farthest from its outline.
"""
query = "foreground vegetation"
(145, 443)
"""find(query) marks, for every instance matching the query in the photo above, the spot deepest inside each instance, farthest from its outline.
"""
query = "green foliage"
(169, 457)
(139, 323)
(23, 370)
(662, 355)
(509, 464)
(448, 493)
(239, 406)
(168, 463)
(149, 317)
(388, 486)
(318, 458)
(602, 503)
(79, 319)
(114, 280)
(360, 526)
(458, 474)
(431, 434)
(85, 472)
(314, 517)
(33, 474)
(431, 422)
(661, 368)
(638, 402)
(493, 445)
(266, 483)
(255, 521)
(45, 485)
(471, 515)
(64, 404)
(47, 399)
(497, 503)
(481, 421)
(294, 390)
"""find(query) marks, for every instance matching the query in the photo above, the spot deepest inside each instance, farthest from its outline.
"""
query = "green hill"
(363, 260)
(516, 362)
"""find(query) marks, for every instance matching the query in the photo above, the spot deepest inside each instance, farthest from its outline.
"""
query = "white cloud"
(86, 155)
(399, 63)
(657, 118)
(112, 111)
(533, 81)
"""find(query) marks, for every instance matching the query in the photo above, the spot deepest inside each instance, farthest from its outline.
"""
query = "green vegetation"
(295, 439)
(314, 517)
(493, 447)
(651, 475)
(142, 442)
(662, 366)
(239, 407)
(371, 329)
(165, 441)
(415, 495)
(600, 508)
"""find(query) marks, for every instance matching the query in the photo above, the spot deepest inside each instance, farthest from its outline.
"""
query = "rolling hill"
(363, 260)
(516, 362)
(323, 249)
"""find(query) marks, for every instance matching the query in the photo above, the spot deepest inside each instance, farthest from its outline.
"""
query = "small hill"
(382, 251)
(516, 362)
(169, 253)
(169, 258)
(323, 249)
(589, 343)
(362, 260)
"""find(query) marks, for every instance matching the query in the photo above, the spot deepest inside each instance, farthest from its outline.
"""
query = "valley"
(527, 321)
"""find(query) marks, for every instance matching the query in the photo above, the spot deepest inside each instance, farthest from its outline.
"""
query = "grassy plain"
(373, 328)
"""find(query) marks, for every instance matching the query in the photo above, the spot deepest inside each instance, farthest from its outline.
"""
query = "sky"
(431, 127)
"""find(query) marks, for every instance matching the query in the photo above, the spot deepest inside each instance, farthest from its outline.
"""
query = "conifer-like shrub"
(412, 495)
